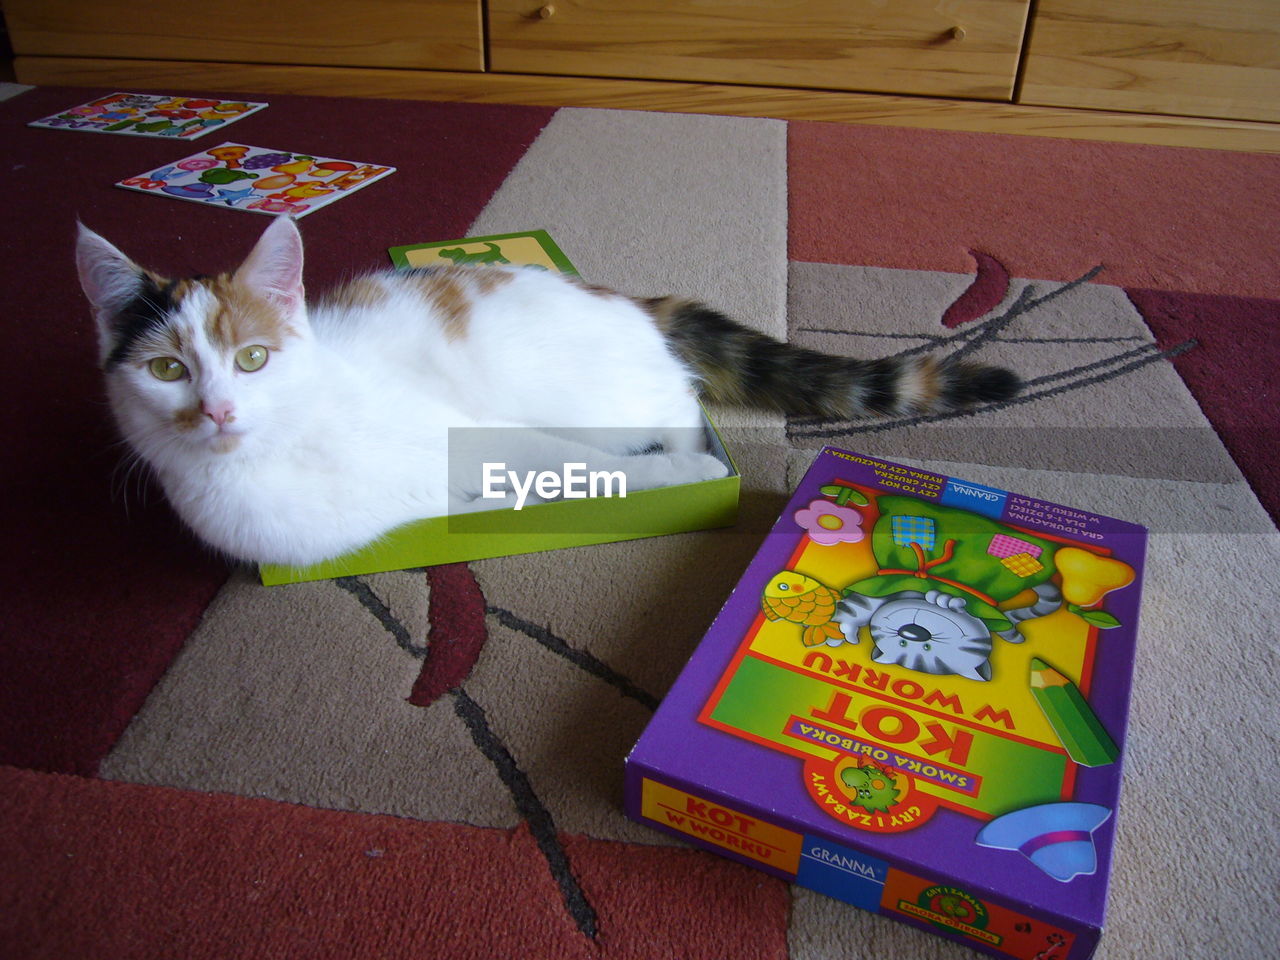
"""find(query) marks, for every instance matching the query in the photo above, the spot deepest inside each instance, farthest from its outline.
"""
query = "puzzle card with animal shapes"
(259, 179)
(534, 249)
(914, 701)
(151, 115)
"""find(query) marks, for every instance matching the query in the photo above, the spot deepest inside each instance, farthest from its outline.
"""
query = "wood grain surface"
(441, 34)
(1188, 57)
(653, 95)
(964, 48)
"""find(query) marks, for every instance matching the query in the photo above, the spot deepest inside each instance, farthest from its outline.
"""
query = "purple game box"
(914, 701)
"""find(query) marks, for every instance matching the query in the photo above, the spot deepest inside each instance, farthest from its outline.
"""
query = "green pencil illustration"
(1071, 717)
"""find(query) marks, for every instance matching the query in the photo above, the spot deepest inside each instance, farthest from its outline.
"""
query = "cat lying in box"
(288, 432)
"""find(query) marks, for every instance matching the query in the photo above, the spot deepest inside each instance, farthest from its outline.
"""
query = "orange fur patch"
(592, 288)
(487, 281)
(240, 318)
(188, 418)
(930, 383)
(363, 292)
(446, 291)
(662, 309)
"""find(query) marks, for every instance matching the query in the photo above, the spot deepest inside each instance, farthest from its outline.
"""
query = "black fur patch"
(880, 379)
(815, 383)
(741, 365)
(147, 311)
(970, 383)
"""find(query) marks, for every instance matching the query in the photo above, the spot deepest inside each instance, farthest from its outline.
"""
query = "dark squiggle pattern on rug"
(936, 339)
(382, 613)
(531, 809)
(978, 335)
(819, 430)
(579, 658)
(458, 580)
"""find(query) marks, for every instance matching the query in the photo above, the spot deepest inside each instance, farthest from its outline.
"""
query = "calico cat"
(289, 433)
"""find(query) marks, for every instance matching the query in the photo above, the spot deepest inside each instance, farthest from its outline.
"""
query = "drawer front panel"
(1208, 58)
(965, 48)
(429, 34)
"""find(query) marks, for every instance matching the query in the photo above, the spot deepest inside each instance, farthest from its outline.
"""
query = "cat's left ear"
(109, 278)
(273, 269)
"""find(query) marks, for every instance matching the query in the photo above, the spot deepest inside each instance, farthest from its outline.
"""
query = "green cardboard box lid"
(537, 527)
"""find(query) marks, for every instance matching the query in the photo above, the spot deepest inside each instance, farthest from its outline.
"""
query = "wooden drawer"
(965, 48)
(1208, 58)
(434, 34)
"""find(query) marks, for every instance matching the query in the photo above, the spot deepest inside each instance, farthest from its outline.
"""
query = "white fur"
(344, 434)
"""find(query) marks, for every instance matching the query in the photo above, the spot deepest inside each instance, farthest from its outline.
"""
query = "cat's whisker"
(130, 469)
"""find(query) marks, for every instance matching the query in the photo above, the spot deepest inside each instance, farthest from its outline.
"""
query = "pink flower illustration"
(829, 524)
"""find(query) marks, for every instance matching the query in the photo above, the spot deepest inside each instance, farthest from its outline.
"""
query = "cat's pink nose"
(219, 413)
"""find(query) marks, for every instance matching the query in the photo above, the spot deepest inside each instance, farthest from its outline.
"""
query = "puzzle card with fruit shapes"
(259, 179)
(150, 115)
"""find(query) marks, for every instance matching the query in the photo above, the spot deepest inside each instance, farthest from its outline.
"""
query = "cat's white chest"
(320, 486)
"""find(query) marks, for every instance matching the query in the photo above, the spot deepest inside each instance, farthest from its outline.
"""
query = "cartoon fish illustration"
(799, 599)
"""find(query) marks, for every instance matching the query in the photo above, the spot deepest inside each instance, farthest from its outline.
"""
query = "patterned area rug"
(389, 765)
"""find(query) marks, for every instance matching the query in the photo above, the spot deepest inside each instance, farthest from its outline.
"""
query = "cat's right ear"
(109, 279)
(273, 269)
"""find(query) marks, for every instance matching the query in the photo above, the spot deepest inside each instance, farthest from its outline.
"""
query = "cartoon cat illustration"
(933, 632)
(947, 584)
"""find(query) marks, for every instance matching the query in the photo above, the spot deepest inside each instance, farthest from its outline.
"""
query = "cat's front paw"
(696, 467)
(853, 612)
(947, 601)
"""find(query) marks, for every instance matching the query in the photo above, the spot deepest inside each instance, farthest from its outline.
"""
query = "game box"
(914, 701)
(540, 526)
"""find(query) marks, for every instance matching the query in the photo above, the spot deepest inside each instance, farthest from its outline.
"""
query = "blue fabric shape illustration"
(189, 191)
(921, 530)
(232, 197)
(1056, 837)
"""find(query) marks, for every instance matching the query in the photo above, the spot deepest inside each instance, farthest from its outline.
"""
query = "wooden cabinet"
(964, 48)
(431, 34)
(1197, 72)
(1208, 58)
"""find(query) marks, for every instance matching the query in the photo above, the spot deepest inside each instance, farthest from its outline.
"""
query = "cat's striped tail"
(738, 365)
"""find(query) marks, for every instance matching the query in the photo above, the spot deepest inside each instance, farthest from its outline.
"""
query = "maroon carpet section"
(133, 873)
(1231, 373)
(105, 585)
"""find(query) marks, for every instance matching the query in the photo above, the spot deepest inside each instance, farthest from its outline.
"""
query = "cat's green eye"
(252, 358)
(168, 368)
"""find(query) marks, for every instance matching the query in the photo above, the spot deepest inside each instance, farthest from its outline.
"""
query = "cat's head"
(931, 635)
(207, 364)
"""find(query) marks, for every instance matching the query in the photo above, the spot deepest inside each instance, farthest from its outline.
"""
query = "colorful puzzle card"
(150, 115)
(534, 248)
(914, 701)
(259, 179)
